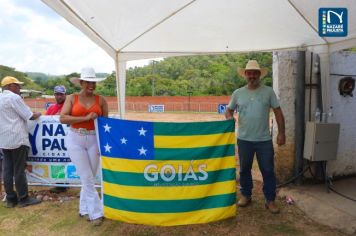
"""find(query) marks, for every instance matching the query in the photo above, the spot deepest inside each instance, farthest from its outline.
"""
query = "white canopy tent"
(141, 29)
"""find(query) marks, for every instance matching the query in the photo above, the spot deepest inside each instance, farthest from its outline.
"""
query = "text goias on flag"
(168, 173)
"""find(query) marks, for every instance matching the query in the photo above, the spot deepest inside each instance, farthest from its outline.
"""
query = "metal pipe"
(319, 97)
(299, 113)
(310, 86)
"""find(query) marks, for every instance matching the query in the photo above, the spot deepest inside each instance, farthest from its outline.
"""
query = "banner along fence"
(141, 104)
(48, 161)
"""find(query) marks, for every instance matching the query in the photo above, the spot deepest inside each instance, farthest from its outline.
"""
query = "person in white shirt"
(14, 142)
(1, 157)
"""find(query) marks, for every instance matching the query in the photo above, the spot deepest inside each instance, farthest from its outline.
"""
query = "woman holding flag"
(79, 111)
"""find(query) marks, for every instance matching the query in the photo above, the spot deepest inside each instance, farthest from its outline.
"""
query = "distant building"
(28, 92)
(47, 96)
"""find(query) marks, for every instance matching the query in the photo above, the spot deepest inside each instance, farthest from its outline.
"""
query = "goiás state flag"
(165, 174)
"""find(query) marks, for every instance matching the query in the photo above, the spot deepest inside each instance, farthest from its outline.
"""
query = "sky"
(34, 38)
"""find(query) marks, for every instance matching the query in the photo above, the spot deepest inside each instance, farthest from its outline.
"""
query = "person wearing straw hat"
(79, 111)
(253, 103)
(14, 142)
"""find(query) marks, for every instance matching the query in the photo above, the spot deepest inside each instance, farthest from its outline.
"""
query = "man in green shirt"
(253, 103)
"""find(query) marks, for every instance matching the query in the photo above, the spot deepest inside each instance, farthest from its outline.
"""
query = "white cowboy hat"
(252, 65)
(87, 74)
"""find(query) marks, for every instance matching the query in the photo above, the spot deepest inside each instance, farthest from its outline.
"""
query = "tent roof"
(139, 29)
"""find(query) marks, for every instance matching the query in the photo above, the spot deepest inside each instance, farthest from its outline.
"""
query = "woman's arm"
(67, 118)
(104, 107)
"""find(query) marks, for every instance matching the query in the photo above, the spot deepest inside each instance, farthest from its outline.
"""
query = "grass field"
(61, 218)
(57, 217)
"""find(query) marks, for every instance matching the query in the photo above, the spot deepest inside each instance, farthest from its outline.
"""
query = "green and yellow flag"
(166, 174)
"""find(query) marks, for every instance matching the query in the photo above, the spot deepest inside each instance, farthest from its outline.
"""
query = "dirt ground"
(59, 214)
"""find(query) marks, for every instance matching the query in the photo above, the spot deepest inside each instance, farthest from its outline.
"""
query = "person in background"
(60, 96)
(253, 103)
(14, 142)
(55, 109)
(1, 157)
(80, 110)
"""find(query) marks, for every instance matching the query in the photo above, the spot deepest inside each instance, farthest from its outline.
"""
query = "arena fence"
(142, 104)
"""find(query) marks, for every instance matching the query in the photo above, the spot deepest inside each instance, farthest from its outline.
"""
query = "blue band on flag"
(135, 140)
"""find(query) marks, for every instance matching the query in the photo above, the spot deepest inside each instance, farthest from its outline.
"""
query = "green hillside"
(173, 76)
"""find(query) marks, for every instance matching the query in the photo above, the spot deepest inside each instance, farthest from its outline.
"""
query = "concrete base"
(327, 208)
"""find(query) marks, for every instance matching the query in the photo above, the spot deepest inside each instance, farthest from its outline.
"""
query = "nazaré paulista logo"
(332, 22)
(47, 139)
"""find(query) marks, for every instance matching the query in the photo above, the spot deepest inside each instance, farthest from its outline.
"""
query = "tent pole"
(120, 67)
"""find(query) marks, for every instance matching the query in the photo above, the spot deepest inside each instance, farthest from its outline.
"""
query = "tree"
(28, 82)
(203, 74)
(108, 86)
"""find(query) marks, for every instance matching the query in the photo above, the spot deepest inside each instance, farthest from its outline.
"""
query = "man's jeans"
(14, 168)
(265, 158)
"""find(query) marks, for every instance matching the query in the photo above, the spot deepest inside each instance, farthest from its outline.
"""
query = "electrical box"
(321, 141)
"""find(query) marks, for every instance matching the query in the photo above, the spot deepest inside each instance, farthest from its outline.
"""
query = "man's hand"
(35, 115)
(281, 139)
(229, 114)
